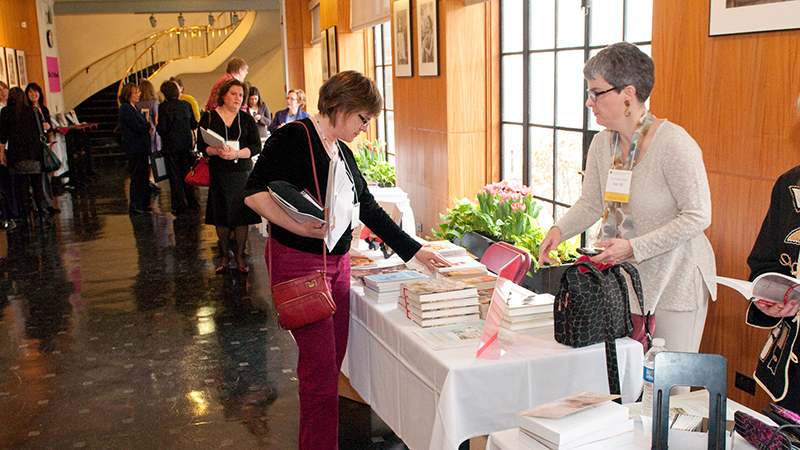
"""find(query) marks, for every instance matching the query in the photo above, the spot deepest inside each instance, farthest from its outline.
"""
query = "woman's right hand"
(788, 309)
(549, 243)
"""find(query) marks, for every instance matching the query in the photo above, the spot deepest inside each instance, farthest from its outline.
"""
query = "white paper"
(338, 201)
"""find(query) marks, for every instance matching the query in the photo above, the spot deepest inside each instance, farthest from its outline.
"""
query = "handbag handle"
(319, 199)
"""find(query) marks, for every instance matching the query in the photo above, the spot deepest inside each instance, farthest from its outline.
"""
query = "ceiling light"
(180, 19)
(152, 21)
(235, 19)
(211, 19)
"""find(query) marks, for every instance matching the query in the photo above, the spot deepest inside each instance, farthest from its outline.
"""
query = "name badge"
(356, 215)
(618, 186)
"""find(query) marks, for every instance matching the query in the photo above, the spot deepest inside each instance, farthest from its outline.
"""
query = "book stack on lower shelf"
(438, 302)
(526, 310)
(605, 426)
(385, 287)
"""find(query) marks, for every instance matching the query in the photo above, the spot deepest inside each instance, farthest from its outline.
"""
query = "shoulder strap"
(636, 281)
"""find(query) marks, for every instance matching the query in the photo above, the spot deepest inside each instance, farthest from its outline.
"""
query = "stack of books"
(461, 274)
(459, 263)
(385, 287)
(484, 300)
(526, 310)
(482, 282)
(447, 249)
(438, 302)
(605, 426)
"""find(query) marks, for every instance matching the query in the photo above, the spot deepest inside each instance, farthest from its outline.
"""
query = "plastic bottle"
(649, 360)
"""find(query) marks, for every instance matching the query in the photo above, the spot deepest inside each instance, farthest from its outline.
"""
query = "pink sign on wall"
(52, 74)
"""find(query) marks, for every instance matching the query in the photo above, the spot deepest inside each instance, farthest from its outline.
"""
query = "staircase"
(102, 109)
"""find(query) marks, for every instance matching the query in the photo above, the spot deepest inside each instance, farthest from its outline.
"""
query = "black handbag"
(592, 306)
(50, 163)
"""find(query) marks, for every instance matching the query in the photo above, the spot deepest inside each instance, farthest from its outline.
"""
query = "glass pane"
(571, 24)
(379, 126)
(387, 43)
(511, 153)
(606, 26)
(542, 86)
(377, 43)
(569, 89)
(570, 160)
(388, 97)
(511, 25)
(545, 215)
(639, 22)
(541, 24)
(390, 147)
(540, 162)
(511, 88)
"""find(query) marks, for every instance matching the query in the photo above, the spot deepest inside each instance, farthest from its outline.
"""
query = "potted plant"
(371, 159)
(508, 212)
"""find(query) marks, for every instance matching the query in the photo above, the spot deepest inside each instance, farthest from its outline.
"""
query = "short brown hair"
(301, 97)
(127, 91)
(349, 92)
(226, 86)
(236, 64)
(170, 90)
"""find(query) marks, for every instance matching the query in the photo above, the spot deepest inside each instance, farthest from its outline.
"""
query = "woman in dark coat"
(136, 145)
(20, 131)
(175, 124)
(229, 166)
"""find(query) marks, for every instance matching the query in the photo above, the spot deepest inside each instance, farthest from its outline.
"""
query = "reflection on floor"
(115, 333)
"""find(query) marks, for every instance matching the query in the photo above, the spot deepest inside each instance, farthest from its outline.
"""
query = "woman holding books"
(348, 101)
(646, 181)
(229, 166)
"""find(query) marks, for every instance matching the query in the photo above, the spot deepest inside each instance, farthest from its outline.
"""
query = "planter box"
(475, 243)
(546, 280)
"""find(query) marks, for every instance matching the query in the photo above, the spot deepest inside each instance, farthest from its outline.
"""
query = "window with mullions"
(383, 78)
(546, 128)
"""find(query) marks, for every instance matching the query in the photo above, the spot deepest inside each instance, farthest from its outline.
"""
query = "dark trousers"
(182, 194)
(139, 170)
(33, 182)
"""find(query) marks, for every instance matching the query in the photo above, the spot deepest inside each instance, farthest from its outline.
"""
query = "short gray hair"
(623, 64)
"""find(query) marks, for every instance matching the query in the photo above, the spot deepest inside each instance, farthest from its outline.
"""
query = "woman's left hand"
(426, 256)
(615, 251)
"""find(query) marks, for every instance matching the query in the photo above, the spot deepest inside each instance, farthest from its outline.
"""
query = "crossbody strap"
(319, 199)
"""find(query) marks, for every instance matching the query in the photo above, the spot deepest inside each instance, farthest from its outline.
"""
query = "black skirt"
(226, 200)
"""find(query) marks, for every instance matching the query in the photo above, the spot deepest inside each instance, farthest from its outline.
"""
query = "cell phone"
(589, 251)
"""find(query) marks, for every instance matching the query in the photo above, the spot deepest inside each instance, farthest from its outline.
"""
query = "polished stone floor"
(115, 333)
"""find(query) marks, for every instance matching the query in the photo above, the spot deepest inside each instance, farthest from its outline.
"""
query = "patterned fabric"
(759, 434)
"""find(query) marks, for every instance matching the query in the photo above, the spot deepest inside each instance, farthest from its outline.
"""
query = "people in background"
(21, 151)
(776, 250)
(660, 227)
(8, 202)
(229, 165)
(148, 105)
(36, 99)
(175, 124)
(295, 102)
(237, 69)
(348, 101)
(136, 143)
(3, 94)
(260, 111)
(187, 98)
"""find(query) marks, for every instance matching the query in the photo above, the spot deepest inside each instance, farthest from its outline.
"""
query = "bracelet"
(237, 156)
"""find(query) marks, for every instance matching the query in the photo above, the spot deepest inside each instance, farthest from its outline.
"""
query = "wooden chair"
(500, 253)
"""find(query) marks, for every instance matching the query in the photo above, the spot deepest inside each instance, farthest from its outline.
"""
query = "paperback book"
(437, 289)
(482, 282)
(447, 249)
(299, 205)
(459, 263)
(460, 274)
(441, 304)
(770, 287)
(392, 281)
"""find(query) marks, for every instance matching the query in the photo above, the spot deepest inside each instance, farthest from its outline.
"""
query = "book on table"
(392, 281)
(770, 287)
(601, 440)
(437, 289)
(442, 303)
(411, 308)
(460, 274)
(438, 321)
(521, 301)
(528, 324)
(562, 431)
(482, 282)
(358, 273)
(446, 248)
(381, 297)
(458, 263)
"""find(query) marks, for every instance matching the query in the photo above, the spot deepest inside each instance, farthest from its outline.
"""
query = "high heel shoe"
(243, 270)
(222, 268)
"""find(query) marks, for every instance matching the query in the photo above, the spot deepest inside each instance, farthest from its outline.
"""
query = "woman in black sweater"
(175, 124)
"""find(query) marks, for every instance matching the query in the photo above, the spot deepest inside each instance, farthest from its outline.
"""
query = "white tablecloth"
(436, 399)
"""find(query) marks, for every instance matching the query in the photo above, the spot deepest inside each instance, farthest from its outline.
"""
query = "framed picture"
(751, 16)
(333, 51)
(11, 67)
(323, 42)
(21, 69)
(428, 37)
(3, 70)
(402, 39)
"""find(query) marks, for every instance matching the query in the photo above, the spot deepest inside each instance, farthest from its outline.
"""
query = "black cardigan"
(175, 124)
(19, 129)
(286, 157)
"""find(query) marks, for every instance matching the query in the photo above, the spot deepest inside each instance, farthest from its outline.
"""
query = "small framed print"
(403, 66)
(752, 16)
(22, 69)
(333, 51)
(3, 70)
(323, 43)
(11, 67)
(428, 37)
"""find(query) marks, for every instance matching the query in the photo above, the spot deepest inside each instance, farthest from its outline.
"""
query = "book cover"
(464, 273)
(381, 297)
(212, 138)
(358, 273)
(482, 282)
(574, 426)
(770, 287)
(437, 289)
(537, 303)
(438, 321)
(446, 248)
(299, 207)
(527, 325)
(392, 281)
(410, 308)
(458, 263)
(439, 304)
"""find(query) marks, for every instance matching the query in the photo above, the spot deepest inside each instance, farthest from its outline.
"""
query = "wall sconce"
(211, 19)
(235, 19)
(152, 21)
(180, 19)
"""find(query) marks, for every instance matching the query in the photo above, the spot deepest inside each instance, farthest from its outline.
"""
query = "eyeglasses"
(365, 121)
(293, 99)
(593, 95)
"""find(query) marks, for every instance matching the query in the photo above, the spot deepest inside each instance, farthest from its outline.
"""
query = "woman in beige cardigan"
(660, 227)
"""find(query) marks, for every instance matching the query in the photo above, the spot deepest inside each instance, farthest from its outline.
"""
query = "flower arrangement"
(371, 159)
(504, 211)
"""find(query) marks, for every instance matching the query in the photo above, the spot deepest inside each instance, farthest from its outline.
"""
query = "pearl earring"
(627, 108)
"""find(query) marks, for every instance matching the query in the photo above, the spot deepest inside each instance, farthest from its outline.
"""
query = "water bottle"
(649, 362)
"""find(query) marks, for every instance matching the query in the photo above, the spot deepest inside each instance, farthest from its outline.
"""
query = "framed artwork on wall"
(752, 16)
(333, 51)
(22, 69)
(323, 43)
(402, 39)
(428, 37)
(11, 67)
(3, 71)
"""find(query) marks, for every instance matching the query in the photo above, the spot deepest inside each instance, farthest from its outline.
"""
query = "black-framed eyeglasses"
(364, 120)
(593, 95)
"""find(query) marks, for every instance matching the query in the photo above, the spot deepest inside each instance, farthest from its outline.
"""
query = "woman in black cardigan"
(136, 145)
(175, 124)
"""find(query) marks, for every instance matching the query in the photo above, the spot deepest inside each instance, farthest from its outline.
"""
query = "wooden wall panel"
(12, 35)
(736, 96)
